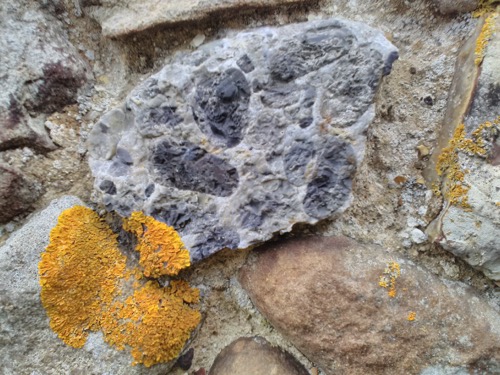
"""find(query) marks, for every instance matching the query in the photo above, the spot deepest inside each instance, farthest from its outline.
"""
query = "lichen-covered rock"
(358, 309)
(87, 286)
(246, 136)
(41, 73)
(468, 157)
(119, 19)
(27, 343)
(256, 356)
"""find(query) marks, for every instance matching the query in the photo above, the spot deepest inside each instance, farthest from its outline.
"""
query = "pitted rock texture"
(41, 73)
(118, 18)
(473, 232)
(246, 136)
(323, 294)
(256, 356)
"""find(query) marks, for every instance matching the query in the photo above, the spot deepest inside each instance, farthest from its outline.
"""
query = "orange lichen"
(411, 316)
(484, 38)
(86, 286)
(388, 279)
(142, 321)
(79, 274)
(448, 165)
(160, 246)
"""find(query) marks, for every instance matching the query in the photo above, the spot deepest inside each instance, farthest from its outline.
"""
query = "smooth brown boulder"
(256, 356)
(323, 294)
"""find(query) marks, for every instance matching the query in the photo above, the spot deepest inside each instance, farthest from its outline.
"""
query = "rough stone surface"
(16, 193)
(473, 233)
(456, 6)
(27, 344)
(323, 294)
(119, 18)
(246, 136)
(254, 355)
(41, 73)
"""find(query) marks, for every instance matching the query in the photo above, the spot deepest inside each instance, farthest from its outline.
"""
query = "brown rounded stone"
(323, 294)
(254, 355)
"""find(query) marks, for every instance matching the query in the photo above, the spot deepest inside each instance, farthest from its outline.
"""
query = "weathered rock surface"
(471, 230)
(254, 355)
(245, 136)
(41, 73)
(118, 19)
(16, 193)
(456, 6)
(27, 344)
(323, 294)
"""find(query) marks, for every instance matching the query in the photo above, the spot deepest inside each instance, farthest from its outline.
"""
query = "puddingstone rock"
(254, 355)
(323, 294)
(245, 136)
(473, 232)
(27, 344)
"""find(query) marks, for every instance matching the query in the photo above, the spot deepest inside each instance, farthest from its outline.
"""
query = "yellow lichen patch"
(388, 279)
(160, 246)
(448, 165)
(86, 286)
(485, 7)
(79, 273)
(142, 321)
(411, 316)
(484, 38)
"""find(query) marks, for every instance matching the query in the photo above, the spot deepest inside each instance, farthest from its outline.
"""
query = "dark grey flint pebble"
(245, 136)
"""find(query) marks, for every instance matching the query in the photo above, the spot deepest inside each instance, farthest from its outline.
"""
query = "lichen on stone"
(80, 272)
(160, 246)
(484, 37)
(87, 286)
(448, 166)
(388, 278)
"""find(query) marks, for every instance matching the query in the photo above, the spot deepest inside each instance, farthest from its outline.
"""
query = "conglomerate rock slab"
(245, 136)
(118, 18)
(256, 356)
(323, 294)
(27, 344)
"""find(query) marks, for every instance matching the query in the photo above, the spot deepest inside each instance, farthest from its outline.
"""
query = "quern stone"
(256, 356)
(245, 136)
(323, 294)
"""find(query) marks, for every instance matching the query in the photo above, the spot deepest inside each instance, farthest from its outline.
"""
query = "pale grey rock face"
(27, 344)
(246, 136)
(120, 18)
(473, 234)
(41, 73)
